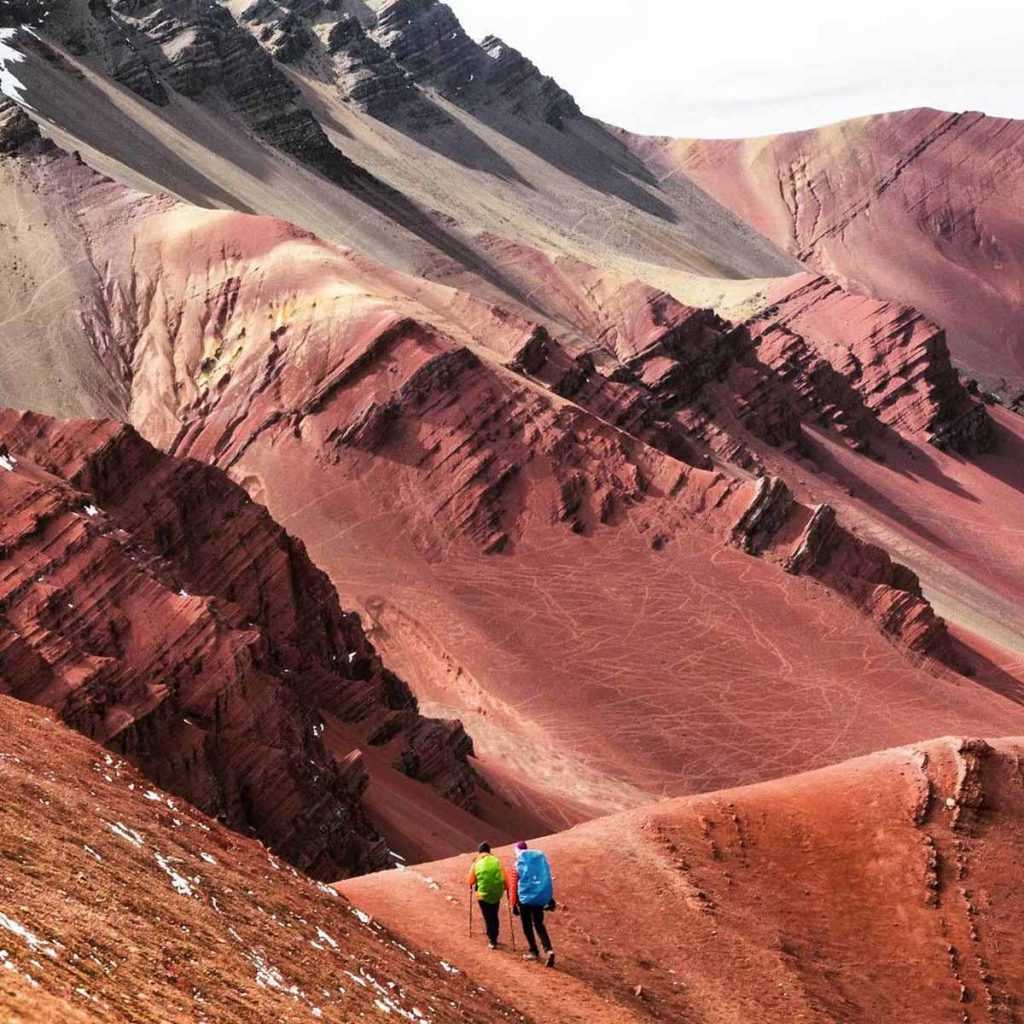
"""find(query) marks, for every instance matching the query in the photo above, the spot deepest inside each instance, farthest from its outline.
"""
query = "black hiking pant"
(533, 918)
(492, 918)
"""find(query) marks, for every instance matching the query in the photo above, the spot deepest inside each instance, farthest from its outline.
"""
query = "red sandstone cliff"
(159, 610)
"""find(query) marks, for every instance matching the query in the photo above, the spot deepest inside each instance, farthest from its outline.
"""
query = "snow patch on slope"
(10, 85)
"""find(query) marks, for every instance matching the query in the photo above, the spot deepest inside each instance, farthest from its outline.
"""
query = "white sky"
(723, 68)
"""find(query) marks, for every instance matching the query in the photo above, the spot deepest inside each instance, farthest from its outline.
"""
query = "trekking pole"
(511, 927)
(471, 913)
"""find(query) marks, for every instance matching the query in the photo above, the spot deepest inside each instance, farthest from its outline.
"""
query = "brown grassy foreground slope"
(119, 903)
(888, 888)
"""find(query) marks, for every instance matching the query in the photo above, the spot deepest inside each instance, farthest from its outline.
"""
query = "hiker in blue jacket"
(532, 894)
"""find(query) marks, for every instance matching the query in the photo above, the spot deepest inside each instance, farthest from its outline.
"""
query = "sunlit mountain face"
(395, 455)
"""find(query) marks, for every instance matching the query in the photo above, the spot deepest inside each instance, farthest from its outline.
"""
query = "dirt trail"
(431, 903)
(800, 900)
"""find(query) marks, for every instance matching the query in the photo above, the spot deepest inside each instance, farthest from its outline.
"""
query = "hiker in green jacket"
(488, 878)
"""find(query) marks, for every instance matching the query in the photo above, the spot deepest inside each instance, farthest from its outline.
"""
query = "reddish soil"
(122, 903)
(519, 529)
(886, 888)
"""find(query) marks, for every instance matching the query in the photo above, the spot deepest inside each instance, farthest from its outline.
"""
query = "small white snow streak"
(180, 884)
(5, 460)
(91, 510)
(385, 1001)
(208, 858)
(363, 917)
(36, 944)
(267, 976)
(126, 833)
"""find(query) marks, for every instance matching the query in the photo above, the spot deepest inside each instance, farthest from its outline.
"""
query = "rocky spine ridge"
(106, 535)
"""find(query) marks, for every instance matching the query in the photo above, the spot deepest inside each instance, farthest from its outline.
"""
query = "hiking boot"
(531, 956)
(492, 945)
(549, 958)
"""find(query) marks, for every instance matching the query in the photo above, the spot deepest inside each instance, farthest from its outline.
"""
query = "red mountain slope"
(160, 611)
(541, 487)
(887, 887)
(523, 511)
(920, 207)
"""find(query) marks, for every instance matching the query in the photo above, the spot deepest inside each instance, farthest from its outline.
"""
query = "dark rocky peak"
(346, 33)
(519, 80)
(14, 13)
(197, 46)
(283, 28)
(121, 47)
(336, 47)
(369, 76)
(426, 38)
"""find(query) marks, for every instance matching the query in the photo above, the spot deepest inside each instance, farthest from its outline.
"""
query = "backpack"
(490, 882)
(534, 873)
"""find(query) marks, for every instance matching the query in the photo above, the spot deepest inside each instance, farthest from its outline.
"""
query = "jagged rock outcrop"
(866, 574)
(370, 77)
(519, 82)
(815, 543)
(427, 40)
(425, 37)
(121, 46)
(198, 45)
(763, 518)
(858, 362)
(17, 130)
(159, 610)
(685, 368)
